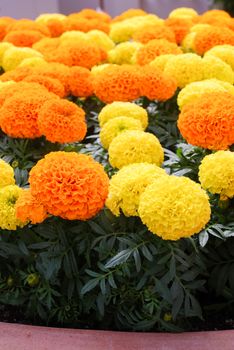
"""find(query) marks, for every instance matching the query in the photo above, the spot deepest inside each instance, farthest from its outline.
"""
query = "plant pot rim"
(25, 337)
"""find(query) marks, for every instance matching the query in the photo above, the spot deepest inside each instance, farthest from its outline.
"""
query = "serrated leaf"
(119, 258)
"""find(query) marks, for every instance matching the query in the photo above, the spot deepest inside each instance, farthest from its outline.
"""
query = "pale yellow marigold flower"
(33, 62)
(74, 35)
(6, 174)
(185, 68)
(101, 39)
(174, 207)
(45, 17)
(8, 198)
(183, 12)
(224, 52)
(214, 67)
(116, 126)
(135, 146)
(128, 184)
(15, 55)
(188, 41)
(99, 68)
(216, 173)
(161, 61)
(123, 109)
(3, 47)
(123, 53)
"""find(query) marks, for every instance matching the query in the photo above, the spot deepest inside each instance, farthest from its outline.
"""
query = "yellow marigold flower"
(45, 17)
(101, 39)
(188, 41)
(161, 61)
(214, 67)
(3, 48)
(99, 68)
(15, 55)
(8, 198)
(185, 68)
(224, 52)
(74, 35)
(116, 126)
(135, 146)
(6, 174)
(193, 91)
(123, 109)
(32, 62)
(128, 184)
(123, 53)
(174, 207)
(216, 173)
(183, 12)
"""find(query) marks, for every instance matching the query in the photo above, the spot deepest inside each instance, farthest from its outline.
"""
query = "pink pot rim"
(24, 337)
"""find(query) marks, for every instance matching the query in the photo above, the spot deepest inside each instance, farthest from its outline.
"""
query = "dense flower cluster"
(174, 207)
(123, 53)
(8, 197)
(224, 52)
(216, 173)
(148, 33)
(214, 67)
(6, 174)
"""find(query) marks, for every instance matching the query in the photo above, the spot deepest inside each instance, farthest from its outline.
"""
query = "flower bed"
(117, 169)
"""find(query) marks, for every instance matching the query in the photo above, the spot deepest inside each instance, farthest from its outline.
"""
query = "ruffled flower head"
(147, 33)
(15, 55)
(6, 174)
(123, 53)
(51, 84)
(80, 82)
(180, 27)
(23, 38)
(224, 52)
(214, 67)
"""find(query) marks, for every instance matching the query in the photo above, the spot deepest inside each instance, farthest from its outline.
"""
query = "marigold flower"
(80, 82)
(155, 48)
(216, 173)
(6, 174)
(27, 24)
(17, 74)
(23, 38)
(174, 207)
(3, 48)
(129, 14)
(213, 36)
(85, 25)
(160, 61)
(56, 27)
(32, 62)
(116, 126)
(195, 90)
(3, 28)
(123, 53)
(45, 17)
(51, 84)
(185, 68)
(92, 14)
(8, 197)
(19, 113)
(183, 12)
(46, 45)
(70, 185)
(188, 41)
(213, 67)
(208, 122)
(224, 52)
(62, 121)
(73, 35)
(15, 55)
(127, 185)
(27, 208)
(147, 33)
(120, 109)
(101, 39)
(215, 13)
(117, 83)
(135, 146)
(180, 27)
(157, 85)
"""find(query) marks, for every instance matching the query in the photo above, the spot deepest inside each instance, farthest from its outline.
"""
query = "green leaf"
(203, 238)
(91, 284)
(119, 258)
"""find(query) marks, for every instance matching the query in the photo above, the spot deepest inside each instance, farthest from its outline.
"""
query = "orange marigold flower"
(117, 83)
(154, 48)
(19, 112)
(46, 45)
(17, 74)
(219, 21)
(214, 14)
(180, 27)
(51, 84)
(156, 85)
(148, 33)
(129, 14)
(56, 27)
(4, 23)
(208, 122)
(80, 82)
(91, 14)
(27, 24)
(62, 121)
(29, 209)
(213, 36)
(85, 25)
(70, 185)
(23, 38)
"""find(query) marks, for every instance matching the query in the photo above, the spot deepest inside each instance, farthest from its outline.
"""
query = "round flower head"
(74, 35)
(85, 25)
(19, 113)
(32, 62)
(55, 22)
(15, 55)
(213, 67)
(145, 34)
(216, 173)
(180, 27)
(116, 126)
(51, 84)
(62, 121)
(127, 185)
(183, 12)
(23, 38)
(3, 28)
(188, 41)
(27, 24)
(129, 14)
(195, 90)
(211, 37)
(46, 45)
(161, 61)
(174, 207)
(101, 39)
(185, 68)
(208, 122)
(6, 174)
(215, 13)
(91, 14)
(29, 209)
(157, 85)
(154, 48)
(224, 52)
(135, 146)
(70, 185)
(119, 109)
(8, 198)
(80, 82)
(3, 47)
(117, 83)
(123, 53)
